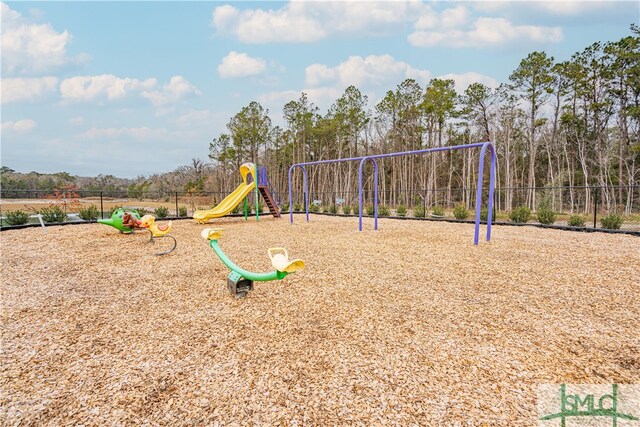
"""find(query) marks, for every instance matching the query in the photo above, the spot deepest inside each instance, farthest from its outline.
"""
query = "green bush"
(182, 211)
(53, 213)
(160, 212)
(419, 211)
(484, 214)
(611, 221)
(545, 215)
(297, 207)
(437, 211)
(520, 214)
(370, 210)
(314, 208)
(346, 209)
(113, 209)
(460, 212)
(16, 217)
(89, 214)
(333, 209)
(384, 210)
(141, 211)
(284, 207)
(576, 221)
(401, 210)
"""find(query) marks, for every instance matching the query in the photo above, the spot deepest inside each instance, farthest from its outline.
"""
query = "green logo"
(589, 405)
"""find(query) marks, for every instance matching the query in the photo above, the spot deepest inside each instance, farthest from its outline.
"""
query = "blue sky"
(136, 88)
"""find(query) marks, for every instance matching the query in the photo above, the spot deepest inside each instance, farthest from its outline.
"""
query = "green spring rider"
(240, 281)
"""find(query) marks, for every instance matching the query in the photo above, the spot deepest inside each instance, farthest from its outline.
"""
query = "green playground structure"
(117, 219)
(240, 281)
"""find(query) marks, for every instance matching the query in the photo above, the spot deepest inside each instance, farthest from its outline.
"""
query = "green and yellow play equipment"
(129, 220)
(254, 179)
(240, 281)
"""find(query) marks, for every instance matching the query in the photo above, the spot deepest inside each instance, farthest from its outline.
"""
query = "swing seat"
(280, 260)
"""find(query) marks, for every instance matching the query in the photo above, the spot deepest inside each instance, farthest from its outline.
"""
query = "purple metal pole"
(305, 190)
(360, 190)
(476, 236)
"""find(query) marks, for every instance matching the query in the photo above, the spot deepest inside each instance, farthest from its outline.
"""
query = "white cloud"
(29, 48)
(140, 133)
(484, 32)
(21, 126)
(89, 88)
(240, 65)
(462, 81)
(373, 70)
(177, 88)
(306, 21)
(20, 89)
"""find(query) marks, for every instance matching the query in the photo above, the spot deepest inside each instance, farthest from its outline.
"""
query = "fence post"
(101, 207)
(424, 203)
(177, 212)
(595, 206)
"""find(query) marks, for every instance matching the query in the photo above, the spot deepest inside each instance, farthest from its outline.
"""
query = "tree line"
(573, 124)
(554, 124)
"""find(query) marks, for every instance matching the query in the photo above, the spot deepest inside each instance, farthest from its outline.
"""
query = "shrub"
(384, 210)
(333, 209)
(297, 207)
(576, 221)
(238, 208)
(346, 209)
(545, 215)
(89, 214)
(520, 214)
(401, 210)
(182, 211)
(160, 212)
(17, 217)
(419, 212)
(611, 221)
(53, 213)
(314, 208)
(460, 212)
(284, 207)
(141, 211)
(484, 214)
(437, 211)
(370, 210)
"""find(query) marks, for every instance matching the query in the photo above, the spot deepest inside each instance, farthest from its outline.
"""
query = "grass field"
(408, 325)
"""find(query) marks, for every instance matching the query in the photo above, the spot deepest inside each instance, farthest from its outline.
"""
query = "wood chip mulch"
(408, 325)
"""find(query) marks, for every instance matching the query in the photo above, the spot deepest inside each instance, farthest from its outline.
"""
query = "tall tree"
(531, 81)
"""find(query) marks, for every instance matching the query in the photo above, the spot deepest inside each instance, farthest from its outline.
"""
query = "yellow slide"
(227, 205)
(233, 199)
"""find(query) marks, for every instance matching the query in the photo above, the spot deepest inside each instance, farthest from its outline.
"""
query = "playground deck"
(411, 324)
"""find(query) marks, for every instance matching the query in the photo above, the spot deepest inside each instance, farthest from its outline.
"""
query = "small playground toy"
(251, 174)
(158, 231)
(124, 220)
(240, 281)
(128, 220)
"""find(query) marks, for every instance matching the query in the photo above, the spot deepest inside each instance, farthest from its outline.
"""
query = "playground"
(409, 324)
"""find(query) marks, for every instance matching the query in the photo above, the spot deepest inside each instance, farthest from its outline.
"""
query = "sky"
(137, 88)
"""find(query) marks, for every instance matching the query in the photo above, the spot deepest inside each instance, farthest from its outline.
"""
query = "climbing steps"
(266, 195)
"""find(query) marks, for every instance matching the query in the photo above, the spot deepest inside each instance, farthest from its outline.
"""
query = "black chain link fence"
(585, 206)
